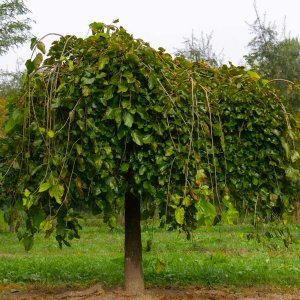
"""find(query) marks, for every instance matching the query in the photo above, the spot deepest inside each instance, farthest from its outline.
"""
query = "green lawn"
(218, 256)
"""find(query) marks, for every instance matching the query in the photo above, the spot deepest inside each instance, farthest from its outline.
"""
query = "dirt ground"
(97, 292)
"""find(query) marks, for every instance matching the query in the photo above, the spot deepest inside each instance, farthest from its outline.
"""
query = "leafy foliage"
(276, 58)
(10, 83)
(108, 114)
(14, 26)
(2, 116)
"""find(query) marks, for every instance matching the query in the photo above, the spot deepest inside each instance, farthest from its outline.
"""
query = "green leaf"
(87, 81)
(179, 215)
(86, 91)
(78, 149)
(187, 201)
(28, 201)
(122, 88)
(114, 114)
(122, 132)
(60, 87)
(169, 151)
(26, 193)
(230, 216)
(128, 119)
(44, 187)
(10, 125)
(124, 167)
(38, 216)
(294, 156)
(126, 103)
(147, 139)
(70, 65)
(137, 137)
(152, 81)
(38, 60)
(33, 42)
(102, 62)
(28, 242)
(286, 147)
(206, 212)
(293, 174)
(29, 66)
(15, 119)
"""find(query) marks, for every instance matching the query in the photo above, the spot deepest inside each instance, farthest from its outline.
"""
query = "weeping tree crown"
(109, 115)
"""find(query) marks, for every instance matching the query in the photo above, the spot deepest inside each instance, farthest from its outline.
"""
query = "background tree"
(108, 122)
(14, 25)
(14, 31)
(276, 58)
(10, 83)
(196, 49)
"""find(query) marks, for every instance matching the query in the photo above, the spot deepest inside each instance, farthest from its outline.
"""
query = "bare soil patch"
(97, 292)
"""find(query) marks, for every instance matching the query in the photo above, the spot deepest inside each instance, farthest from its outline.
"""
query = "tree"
(108, 122)
(10, 83)
(196, 49)
(14, 25)
(276, 58)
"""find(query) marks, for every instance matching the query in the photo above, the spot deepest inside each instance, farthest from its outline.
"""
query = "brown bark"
(134, 278)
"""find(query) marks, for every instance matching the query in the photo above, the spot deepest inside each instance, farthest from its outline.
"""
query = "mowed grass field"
(215, 257)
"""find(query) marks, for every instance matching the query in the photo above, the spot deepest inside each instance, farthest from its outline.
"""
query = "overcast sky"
(163, 23)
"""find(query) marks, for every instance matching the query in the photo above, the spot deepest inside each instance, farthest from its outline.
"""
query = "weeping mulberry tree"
(107, 122)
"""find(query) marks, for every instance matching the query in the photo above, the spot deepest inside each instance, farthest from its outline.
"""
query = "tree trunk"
(134, 278)
(12, 227)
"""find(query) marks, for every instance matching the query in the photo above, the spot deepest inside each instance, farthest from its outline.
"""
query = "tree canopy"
(14, 25)
(196, 49)
(276, 58)
(108, 119)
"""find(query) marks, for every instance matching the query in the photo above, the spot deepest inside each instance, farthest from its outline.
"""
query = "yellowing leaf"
(179, 215)
(159, 266)
(41, 46)
(57, 192)
(44, 187)
(51, 134)
(187, 201)
(46, 226)
(26, 193)
(252, 75)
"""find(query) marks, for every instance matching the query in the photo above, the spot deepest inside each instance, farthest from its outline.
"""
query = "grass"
(219, 256)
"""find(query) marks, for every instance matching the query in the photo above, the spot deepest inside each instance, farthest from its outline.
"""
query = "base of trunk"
(134, 278)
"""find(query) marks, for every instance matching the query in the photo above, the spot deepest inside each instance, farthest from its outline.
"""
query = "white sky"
(162, 23)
